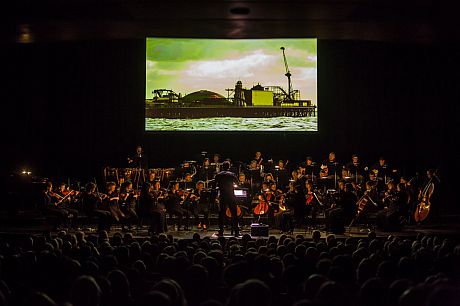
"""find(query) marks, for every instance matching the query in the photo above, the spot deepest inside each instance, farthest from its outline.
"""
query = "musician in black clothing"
(355, 169)
(52, 206)
(150, 208)
(344, 210)
(174, 201)
(139, 160)
(333, 165)
(282, 175)
(291, 200)
(90, 206)
(225, 181)
(127, 202)
(199, 203)
(310, 171)
(255, 177)
(395, 201)
(206, 172)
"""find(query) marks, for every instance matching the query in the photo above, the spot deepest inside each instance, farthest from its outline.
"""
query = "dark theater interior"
(206, 153)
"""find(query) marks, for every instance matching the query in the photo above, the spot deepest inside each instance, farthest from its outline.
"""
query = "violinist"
(68, 196)
(52, 206)
(91, 202)
(149, 207)
(111, 202)
(127, 202)
(188, 181)
(199, 204)
(67, 201)
(174, 201)
(395, 201)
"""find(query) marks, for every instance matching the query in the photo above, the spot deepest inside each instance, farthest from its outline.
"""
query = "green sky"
(188, 65)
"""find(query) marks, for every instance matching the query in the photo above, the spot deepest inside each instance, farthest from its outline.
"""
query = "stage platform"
(411, 231)
(30, 223)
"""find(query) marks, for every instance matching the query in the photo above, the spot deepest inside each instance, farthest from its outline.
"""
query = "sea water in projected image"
(295, 124)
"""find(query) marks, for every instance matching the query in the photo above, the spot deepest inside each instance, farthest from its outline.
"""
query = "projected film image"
(231, 85)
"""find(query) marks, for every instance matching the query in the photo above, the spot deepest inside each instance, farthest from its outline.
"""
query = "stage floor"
(444, 230)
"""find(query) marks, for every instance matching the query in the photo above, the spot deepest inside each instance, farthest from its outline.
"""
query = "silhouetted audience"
(98, 270)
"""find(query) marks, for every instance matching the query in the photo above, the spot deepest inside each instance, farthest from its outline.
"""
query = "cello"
(423, 207)
(264, 203)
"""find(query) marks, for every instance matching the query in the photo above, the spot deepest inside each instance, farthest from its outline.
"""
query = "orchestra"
(284, 194)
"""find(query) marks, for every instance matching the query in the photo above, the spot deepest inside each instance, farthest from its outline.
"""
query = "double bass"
(423, 207)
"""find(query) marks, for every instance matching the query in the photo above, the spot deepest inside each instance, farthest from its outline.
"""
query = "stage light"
(25, 34)
(26, 172)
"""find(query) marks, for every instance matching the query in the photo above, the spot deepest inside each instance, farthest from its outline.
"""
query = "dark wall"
(75, 107)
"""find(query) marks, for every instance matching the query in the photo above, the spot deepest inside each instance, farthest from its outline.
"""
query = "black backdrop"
(71, 108)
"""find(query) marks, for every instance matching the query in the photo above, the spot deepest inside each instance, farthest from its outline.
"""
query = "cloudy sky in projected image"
(188, 65)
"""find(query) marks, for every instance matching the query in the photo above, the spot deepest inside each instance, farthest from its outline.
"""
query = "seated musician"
(111, 202)
(282, 175)
(52, 206)
(242, 182)
(290, 205)
(269, 178)
(296, 181)
(255, 176)
(198, 203)
(174, 201)
(216, 163)
(188, 181)
(355, 169)
(277, 207)
(185, 169)
(383, 172)
(343, 210)
(309, 166)
(266, 199)
(151, 177)
(149, 207)
(68, 200)
(206, 172)
(91, 206)
(332, 165)
(258, 158)
(395, 202)
(311, 201)
(127, 204)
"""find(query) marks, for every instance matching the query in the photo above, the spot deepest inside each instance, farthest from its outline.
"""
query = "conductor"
(139, 160)
(225, 181)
